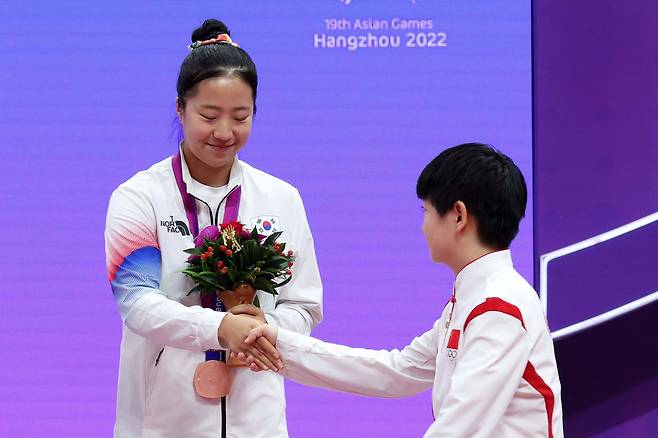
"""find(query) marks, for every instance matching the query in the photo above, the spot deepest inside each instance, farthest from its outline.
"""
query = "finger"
(245, 309)
(263, 366)
(261, 359)
(271, 354)
(255, 333)
(266, 347)
(251, 363)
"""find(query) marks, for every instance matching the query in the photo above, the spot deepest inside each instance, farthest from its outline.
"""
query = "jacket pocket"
(152, 371)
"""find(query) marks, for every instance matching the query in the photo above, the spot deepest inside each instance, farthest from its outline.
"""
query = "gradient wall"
(88, 92)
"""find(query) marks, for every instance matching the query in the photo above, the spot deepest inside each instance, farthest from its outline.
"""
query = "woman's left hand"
(249, 310)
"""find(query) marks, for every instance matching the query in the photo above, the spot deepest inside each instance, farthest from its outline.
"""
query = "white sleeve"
(134, 263)
(490, 366)
(299, 305)
(356, 370)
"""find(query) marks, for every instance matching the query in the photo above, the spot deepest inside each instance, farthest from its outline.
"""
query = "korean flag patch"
(266, 225)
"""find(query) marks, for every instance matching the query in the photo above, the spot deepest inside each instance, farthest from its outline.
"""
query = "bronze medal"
(212, 379)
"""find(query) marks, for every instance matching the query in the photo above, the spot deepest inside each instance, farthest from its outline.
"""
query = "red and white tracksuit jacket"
(489, 360)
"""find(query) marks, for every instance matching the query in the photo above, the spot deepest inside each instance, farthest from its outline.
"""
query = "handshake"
(246, 333)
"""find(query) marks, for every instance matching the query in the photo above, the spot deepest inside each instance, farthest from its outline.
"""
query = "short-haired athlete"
(489, 359)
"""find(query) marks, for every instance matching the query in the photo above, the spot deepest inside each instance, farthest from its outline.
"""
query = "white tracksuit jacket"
(491, 366)
(165, 332)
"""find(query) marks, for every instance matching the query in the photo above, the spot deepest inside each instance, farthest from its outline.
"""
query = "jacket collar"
(472, 274)
(235, 177)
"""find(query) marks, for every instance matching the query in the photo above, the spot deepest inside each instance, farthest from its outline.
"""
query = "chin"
(218, 162)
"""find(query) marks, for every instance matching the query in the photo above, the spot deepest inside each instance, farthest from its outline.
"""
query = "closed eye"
(207, 117)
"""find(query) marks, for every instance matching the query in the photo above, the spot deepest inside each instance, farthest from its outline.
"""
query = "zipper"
(222, 356)
(214, 220)
(157, 359)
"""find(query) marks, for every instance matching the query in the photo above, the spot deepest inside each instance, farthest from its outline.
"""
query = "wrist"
(222, 330)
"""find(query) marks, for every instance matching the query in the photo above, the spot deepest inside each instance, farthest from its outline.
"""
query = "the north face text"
(174, 226)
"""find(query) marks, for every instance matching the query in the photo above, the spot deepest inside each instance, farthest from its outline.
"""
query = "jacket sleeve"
(360, 371)
(134, 263)
(299, 305)
(490, 366)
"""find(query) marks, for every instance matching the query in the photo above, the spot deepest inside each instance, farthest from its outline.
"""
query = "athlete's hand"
(232, 333)
(249, 309)
(263, 340)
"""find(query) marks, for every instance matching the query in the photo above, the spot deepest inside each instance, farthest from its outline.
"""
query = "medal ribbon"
(230, 214)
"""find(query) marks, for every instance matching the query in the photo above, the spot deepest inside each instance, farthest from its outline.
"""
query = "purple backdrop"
(88, 94)
(596, 137)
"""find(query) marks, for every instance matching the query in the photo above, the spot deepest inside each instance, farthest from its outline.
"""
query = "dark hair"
(486, 181)
(214, 60)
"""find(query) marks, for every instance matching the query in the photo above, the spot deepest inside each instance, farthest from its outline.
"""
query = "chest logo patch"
(266, 224)
(453, 344)
(174, 226)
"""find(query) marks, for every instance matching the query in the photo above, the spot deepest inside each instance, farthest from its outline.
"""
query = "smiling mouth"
(216, 146)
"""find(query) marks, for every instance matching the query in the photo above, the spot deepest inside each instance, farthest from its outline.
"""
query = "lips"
(219, 146)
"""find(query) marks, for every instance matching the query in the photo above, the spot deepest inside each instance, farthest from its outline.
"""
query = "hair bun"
(209, 29)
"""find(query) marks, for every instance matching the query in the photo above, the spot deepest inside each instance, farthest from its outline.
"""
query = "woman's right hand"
(232, 333)
(263, 340)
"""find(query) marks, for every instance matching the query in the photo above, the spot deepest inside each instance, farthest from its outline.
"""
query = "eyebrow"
(213, 107)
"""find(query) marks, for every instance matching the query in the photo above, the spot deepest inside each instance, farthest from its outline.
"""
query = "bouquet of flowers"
(228, 257)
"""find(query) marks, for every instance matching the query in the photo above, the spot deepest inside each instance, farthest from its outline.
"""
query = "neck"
(469, 256)
(206, 175)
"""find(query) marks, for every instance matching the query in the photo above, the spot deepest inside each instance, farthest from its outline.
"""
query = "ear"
(179, 110)
(461, 215)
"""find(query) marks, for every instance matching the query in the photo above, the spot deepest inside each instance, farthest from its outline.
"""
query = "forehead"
(227, 92)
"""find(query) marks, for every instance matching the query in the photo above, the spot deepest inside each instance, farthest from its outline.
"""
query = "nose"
(222, 131)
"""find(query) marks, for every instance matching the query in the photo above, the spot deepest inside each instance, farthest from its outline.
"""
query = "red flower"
(224, 270)
(290, 253)
(288, 272)
(229, 253)
(290, 264)
(222, 248)
(220, 264)
(204, 256)
(237, 226)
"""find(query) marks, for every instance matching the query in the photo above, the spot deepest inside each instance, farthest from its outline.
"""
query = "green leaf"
(191, 273)
(194, 251)
(196, 288)
(286, 281)
(269, 288)
(272, 238)
(264, 285)
(233, 275)
(210, 278)
(275, 261)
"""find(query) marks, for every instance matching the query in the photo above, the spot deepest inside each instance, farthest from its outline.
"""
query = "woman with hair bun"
(167, 335)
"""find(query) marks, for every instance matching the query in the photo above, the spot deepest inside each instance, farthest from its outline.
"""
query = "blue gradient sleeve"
(139, 274)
